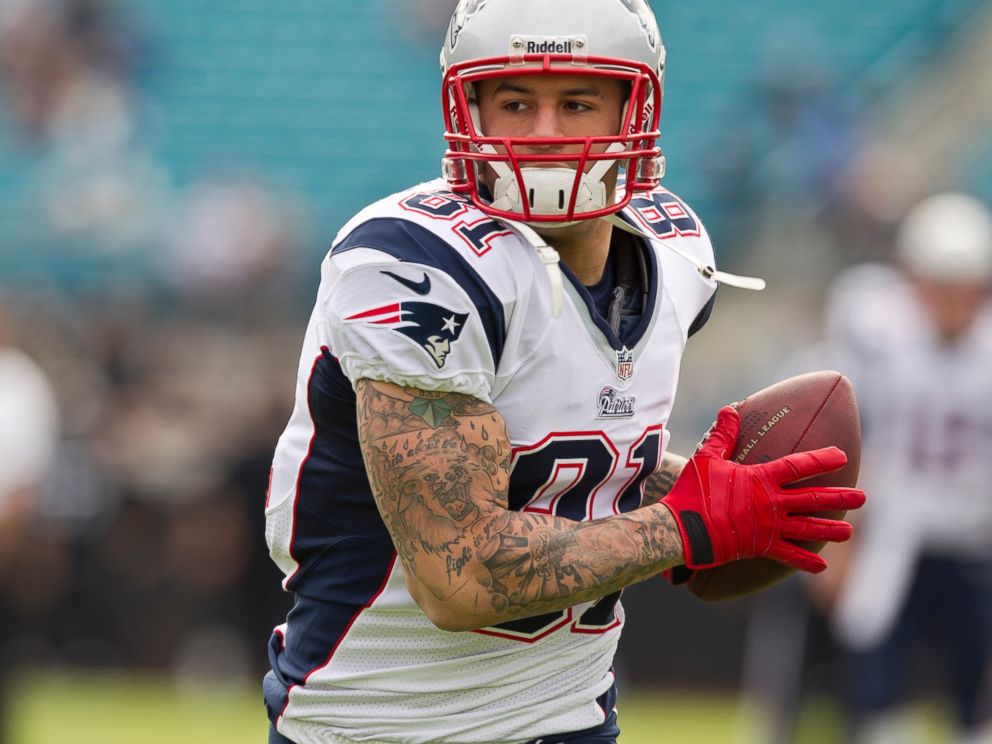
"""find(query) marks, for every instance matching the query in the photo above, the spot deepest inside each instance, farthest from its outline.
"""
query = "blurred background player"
(909, 599)
(919, 575)
(476, 464)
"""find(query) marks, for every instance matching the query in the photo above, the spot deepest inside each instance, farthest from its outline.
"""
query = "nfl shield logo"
(625, 364)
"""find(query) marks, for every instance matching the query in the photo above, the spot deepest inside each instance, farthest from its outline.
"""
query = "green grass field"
(118, 709)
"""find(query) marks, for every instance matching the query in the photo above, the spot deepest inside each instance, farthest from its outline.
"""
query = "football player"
(476, 465)
(920, 572)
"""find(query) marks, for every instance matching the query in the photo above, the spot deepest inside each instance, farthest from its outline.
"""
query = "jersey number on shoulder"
(665, 215)
(562, 475)
(447, 206)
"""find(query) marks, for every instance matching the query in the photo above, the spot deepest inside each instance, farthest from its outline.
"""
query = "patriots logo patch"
(432, 327)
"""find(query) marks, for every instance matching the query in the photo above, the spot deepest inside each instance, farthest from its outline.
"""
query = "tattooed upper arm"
(437, 463)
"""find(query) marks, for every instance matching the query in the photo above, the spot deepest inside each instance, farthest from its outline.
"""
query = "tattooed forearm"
(540, 563)
(441, 484)
(660, 483)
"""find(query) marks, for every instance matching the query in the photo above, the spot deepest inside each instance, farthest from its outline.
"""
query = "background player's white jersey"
(422, 289)
(926, 409)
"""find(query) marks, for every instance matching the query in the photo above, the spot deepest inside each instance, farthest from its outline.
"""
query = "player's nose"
(547, 123)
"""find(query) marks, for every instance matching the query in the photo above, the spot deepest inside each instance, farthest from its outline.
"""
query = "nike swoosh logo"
(422, 287)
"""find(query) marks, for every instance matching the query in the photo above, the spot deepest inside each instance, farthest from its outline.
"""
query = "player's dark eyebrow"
(507, 87)
(591, 91)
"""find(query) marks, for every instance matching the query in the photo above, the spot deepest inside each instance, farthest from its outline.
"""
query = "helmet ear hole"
(530, 195)
(561, 199)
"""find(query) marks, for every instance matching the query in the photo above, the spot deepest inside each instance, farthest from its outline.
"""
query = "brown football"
(801, 413)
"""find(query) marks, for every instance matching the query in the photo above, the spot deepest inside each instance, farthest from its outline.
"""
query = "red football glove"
(727, 511)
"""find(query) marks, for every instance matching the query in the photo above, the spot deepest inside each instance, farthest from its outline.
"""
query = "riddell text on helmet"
(549, 47)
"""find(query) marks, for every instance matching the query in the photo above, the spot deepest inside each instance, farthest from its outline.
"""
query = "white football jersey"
(423, 289)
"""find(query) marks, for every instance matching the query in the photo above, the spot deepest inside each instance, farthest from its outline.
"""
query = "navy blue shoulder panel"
(408, 241)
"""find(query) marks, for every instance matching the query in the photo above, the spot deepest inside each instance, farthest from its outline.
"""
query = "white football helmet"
(947, 237)
(616, 39)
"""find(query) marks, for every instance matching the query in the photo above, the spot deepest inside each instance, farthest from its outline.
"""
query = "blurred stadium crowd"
(171, 172)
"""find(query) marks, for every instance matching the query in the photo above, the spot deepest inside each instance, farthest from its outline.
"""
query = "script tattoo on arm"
(439, 467)
(660, 483)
